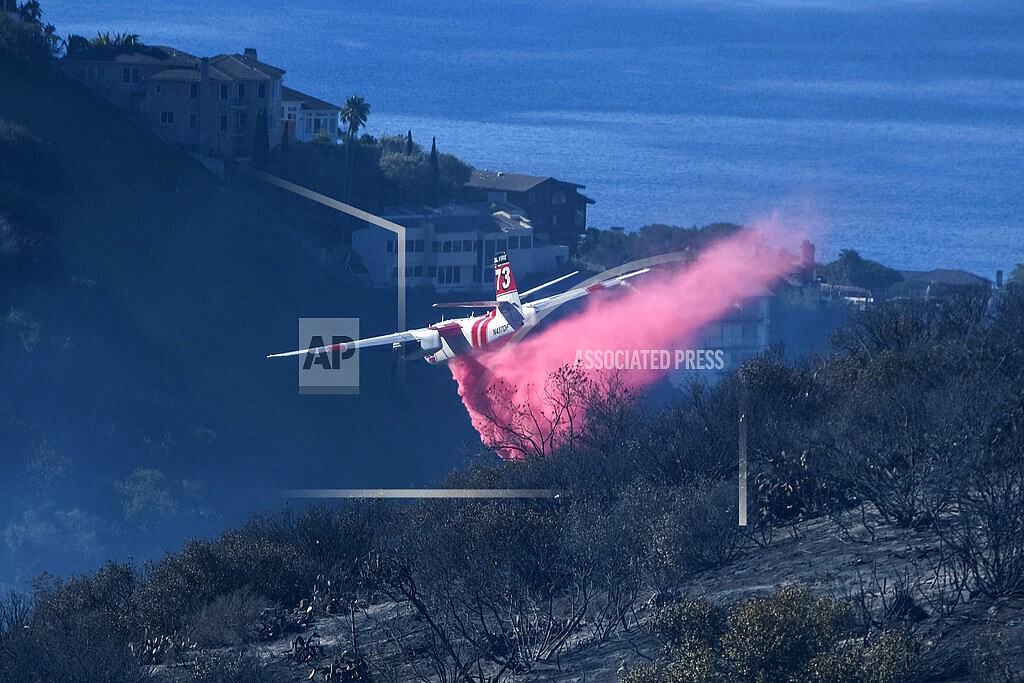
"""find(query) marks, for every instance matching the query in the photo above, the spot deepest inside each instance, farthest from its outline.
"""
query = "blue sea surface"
(895, 128)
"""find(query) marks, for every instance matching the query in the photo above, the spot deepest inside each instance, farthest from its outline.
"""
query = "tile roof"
(244, 67)
(188, 74)
(945, 276)
(137, 54)
(308, 101)
(511, 182)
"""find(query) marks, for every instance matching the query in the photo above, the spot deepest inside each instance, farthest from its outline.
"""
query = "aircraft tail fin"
(504, 284)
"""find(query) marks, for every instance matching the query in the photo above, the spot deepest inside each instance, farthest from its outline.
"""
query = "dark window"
(135, 75)
(167, 118)
(241, 91)
(417, 271)
(223, 122)
(501, 245)
(457, 245)
(193, 91)
(467, 245)
(192, 121)
(126, 75)
(525, 242)
(261, 90)
(410, 245)
(156, 89)
(225, 91)
(513, 242)
(447, 247)
(431, 271)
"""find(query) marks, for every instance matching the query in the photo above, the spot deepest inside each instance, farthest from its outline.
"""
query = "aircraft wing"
(385, 339)
(559, 299)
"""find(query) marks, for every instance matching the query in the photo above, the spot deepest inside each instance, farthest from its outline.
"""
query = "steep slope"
(136, 406)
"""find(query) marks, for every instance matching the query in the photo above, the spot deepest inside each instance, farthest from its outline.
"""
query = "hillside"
(136, 405)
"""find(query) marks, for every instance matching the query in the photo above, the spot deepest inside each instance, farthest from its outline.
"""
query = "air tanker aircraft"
(442, 341)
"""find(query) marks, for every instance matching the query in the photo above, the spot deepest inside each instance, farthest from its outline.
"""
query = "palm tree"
(354, 115)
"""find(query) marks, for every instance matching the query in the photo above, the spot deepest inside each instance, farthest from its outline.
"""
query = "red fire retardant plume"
(664, 310)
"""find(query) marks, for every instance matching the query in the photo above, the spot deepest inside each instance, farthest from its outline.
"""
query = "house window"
(457, 245)
(126, 75)
(525, 242)
(193, 121)
(409, 246)
(261, 90)
(241, 91)
(558, 197)
(193, 91)
(135, 75)
(223, 122)
(167, 118)
(467, 245)
(225, 91)
(513, 242)
(449, 275)
(447, 247)
(501, 245)
(419, 245)
(156, 90)
(417, 271)
(431, 271)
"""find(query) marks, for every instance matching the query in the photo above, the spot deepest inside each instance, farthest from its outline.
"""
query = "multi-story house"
(119, 73)
(554, 207)
(452, 247)
(210, 105)
(214, 106)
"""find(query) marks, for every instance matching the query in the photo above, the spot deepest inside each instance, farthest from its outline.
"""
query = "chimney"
(250, 52)
(806, 261)
(999, 279)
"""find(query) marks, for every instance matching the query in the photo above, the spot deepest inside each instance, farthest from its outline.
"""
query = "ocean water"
(895, 128)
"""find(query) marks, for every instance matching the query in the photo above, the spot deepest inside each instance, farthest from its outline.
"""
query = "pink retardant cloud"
(664, 310)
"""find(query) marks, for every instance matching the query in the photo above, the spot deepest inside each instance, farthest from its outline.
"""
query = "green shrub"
(789, 636)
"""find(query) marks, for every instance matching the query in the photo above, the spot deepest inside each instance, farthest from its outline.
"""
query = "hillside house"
(209, 105)
(451, 248)
(554, 207)
(309, 118)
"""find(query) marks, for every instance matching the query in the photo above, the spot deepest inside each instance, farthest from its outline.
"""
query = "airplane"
(508, 315)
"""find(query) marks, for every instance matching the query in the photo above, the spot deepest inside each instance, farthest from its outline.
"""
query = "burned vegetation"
(885, 542)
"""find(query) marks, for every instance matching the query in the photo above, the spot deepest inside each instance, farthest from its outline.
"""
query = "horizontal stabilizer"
(548, 284)
(468, 304)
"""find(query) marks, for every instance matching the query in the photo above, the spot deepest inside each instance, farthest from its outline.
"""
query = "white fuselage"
(462, 336)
